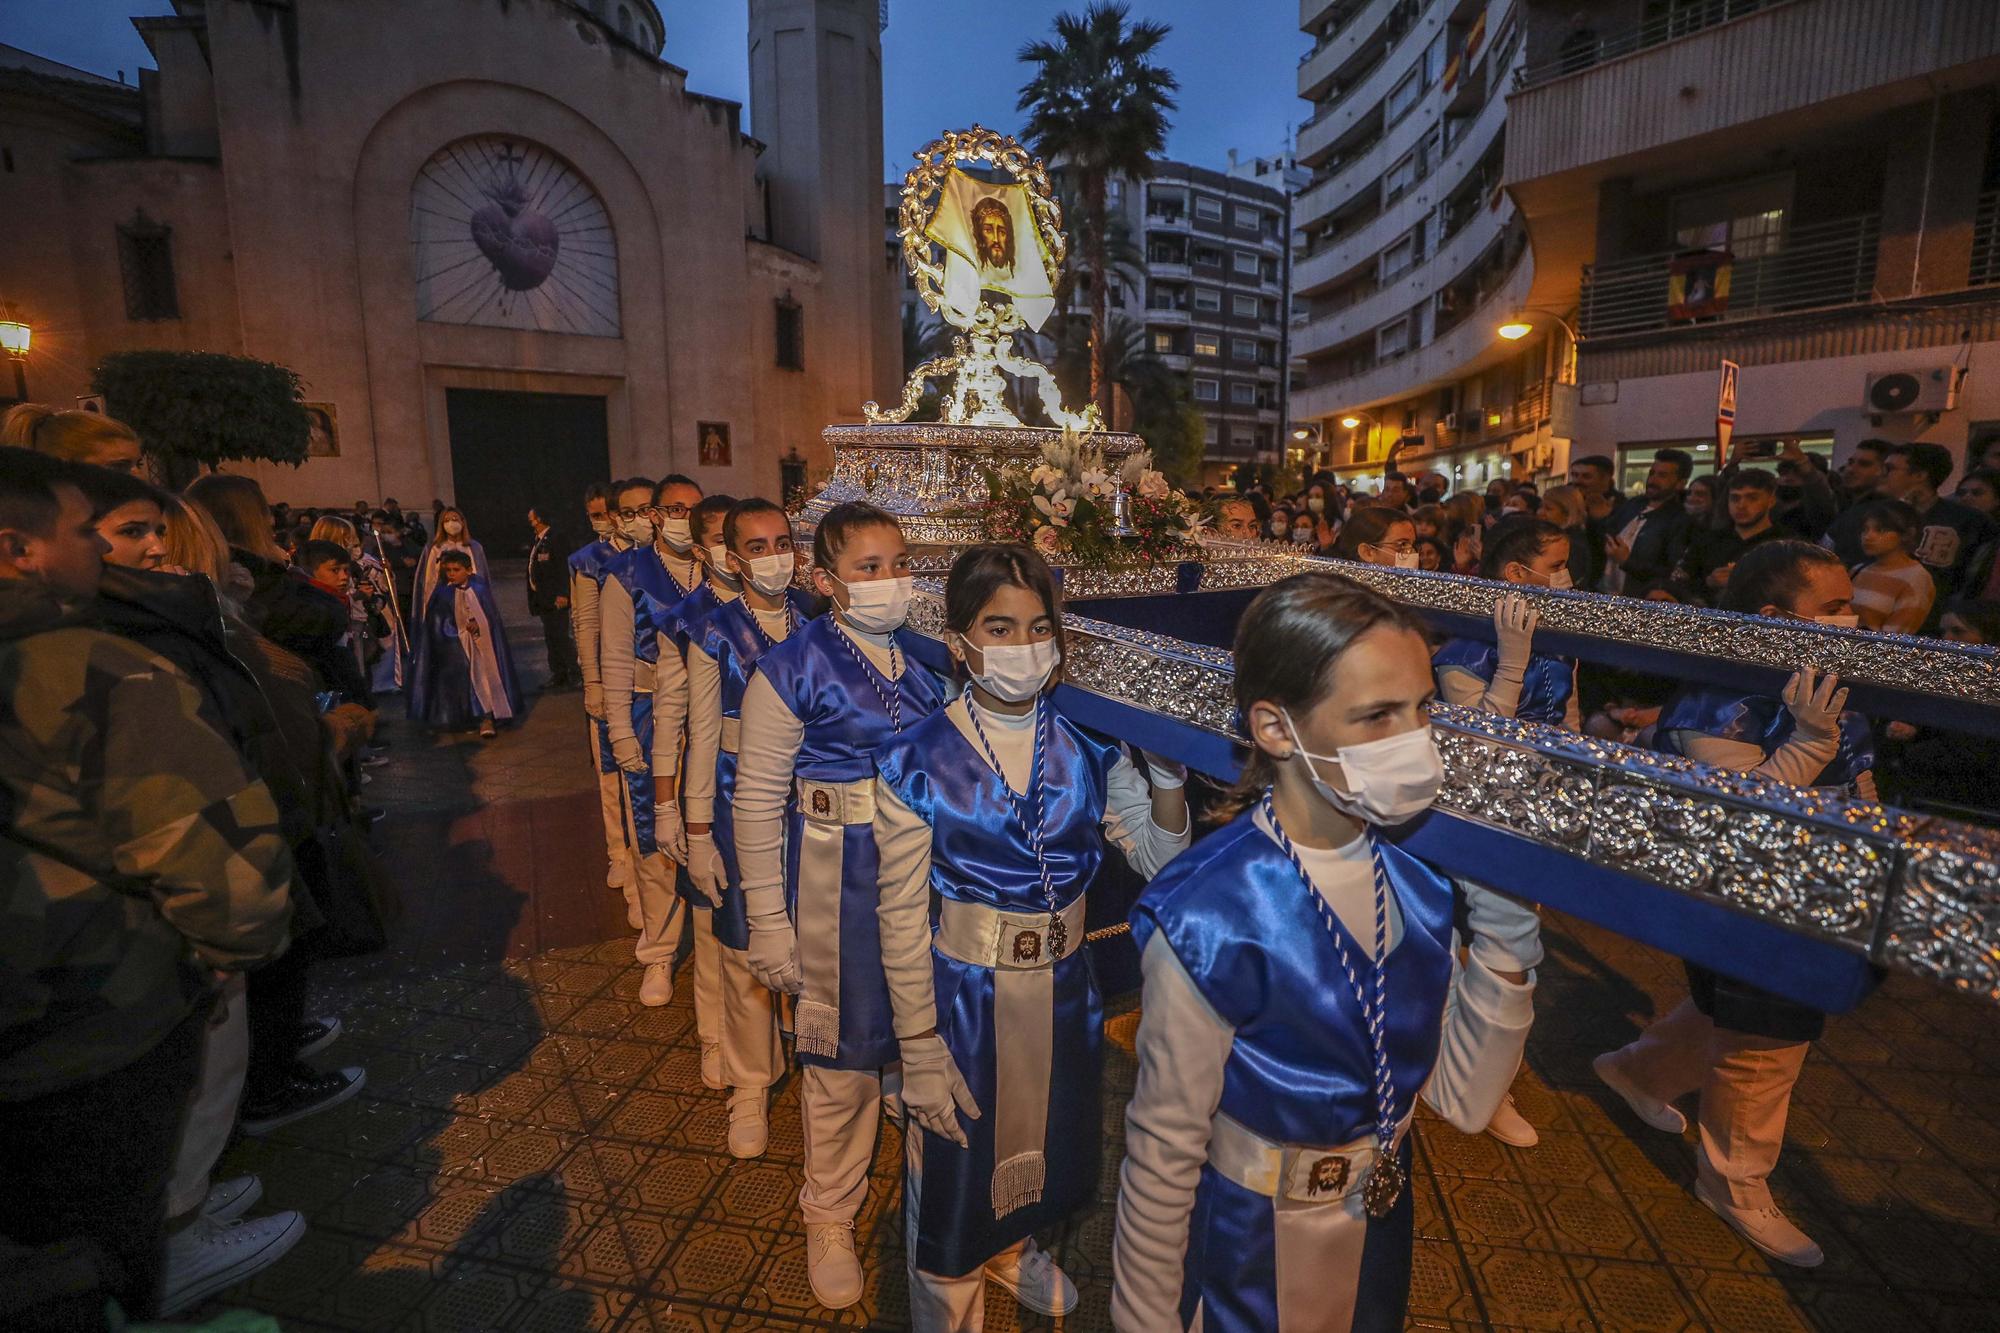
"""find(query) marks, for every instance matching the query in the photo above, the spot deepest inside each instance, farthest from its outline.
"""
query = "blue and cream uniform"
(1009, 992)
(722, 655)
(1469, 673)
(1254, 1126)
(645, 721)
(814, 713)
(588, 566)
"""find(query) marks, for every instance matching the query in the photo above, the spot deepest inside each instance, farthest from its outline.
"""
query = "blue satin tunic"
(654, 592)
(593, 561)
(1761, 720)
(827, 689)
(730, 635)
(1545, 690)
(1243, 925)
(980, 854)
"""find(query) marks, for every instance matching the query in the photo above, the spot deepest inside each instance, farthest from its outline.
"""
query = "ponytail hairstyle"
(707, 510)
(194, 543)
(981, 571)
(1367, 526)
(1287, 645)
(1516, 539)
(72, 435)
(839, 526)
(238, 506)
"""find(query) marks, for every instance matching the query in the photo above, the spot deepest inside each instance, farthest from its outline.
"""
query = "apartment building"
(1410, 256)
(1808, 188)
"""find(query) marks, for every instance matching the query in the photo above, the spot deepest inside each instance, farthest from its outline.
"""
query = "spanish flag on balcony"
(1698, 284)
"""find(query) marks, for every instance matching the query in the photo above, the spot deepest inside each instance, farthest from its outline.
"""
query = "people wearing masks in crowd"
(548, 599)
(1267, 1165)
(78, 436)
(1893, 592)
(453, 534)
(1712, 550)
(1647, 534)
(159, 873)
(645, 702)
(1567, 508)
(819, 706)
(1740, 1046)
(588, 566)
(1703, 511)
(462, 673)
(1000, 806)
(1376, 535)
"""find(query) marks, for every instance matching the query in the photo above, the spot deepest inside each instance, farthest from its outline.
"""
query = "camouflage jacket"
(136, 852)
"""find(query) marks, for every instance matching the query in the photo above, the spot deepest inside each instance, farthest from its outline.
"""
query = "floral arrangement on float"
(1078, 509)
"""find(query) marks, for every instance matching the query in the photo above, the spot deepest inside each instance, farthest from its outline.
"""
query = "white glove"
(1514, 624)
(669, 834)
(1506, 934)
(704, 867)
(626, 752)
(1816, 703)
(1166, 774)
(933, 1090)
(774, 945)
(593, 701)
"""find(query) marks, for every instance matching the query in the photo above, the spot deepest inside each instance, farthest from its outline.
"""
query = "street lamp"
(1520, 327)
(14, 339)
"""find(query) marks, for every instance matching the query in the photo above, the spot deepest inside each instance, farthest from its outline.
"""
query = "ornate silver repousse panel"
(1944, 922)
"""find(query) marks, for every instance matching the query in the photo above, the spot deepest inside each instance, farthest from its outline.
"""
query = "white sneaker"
(207, 1256)
(749, 1125)
(711, 1065)
(1036, 1282)
(658, 986)
(1511, 1127)
(1660, 1115)
(1769, 1230)
(831, 1267)
(229, 1199)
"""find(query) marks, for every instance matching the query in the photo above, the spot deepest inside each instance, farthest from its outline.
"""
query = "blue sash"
(1761, 720)
(1545, 690)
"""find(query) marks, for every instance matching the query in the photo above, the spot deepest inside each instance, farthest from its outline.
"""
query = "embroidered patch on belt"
(1027, 946)
(1328, 1177)
(822, 804)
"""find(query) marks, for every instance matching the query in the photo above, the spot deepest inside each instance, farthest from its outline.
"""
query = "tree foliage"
(1177, 433)
(1097, 106)
(205, 407)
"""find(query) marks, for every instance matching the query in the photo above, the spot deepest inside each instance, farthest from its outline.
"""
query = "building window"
(1207, 344)
(1243, 395)
(1244, 442)
(146, 262)
(1114, 189)
(1163, 341)
(1747, 219)
(1397, 260)
(1393, 339)
(1243, 349)
(1246, 261)
(791, 334)
(1399, 178)
(1208, 256)
(1208, 433)
(1207, 298)
(1248, 217)
(1208, 210)
(1246, 306)
(1207, 391)
(1404, 96)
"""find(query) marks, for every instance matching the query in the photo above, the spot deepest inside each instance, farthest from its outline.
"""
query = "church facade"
(504, 246)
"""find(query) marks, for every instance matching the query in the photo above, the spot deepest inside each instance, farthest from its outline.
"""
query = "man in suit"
(548, 598)
(1648, 534)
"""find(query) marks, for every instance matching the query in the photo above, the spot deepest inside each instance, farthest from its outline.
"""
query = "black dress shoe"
(300, 1095)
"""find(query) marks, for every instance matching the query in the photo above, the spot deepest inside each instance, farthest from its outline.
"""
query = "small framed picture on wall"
(713, 439)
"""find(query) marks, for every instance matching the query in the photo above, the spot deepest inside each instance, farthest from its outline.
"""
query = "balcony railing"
(1827, 264)
(1985, 242)
(1581, 52)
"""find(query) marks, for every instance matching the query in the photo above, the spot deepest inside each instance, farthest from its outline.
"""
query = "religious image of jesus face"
(993, 231)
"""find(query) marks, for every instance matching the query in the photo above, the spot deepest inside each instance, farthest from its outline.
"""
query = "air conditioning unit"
(1448, 422)
(1893, 392)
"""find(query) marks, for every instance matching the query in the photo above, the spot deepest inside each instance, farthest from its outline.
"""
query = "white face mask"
(1303, 536)
(1393, 780)
(877, 606)
(1315, 504)
(453, 526)
(718, 566)
(772, 574)
(1014, 672)
(676, 534)
(1405, 559)
(1559, 579)
(1848, 621)
(638, 529)
(1278, 527)
(604, 525)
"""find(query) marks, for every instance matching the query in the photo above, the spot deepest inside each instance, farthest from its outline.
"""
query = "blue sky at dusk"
(947, 62)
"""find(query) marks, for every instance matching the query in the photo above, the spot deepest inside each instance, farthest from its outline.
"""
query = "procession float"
(1809, 893)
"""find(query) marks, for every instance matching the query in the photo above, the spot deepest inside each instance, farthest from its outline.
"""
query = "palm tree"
(1098, 106)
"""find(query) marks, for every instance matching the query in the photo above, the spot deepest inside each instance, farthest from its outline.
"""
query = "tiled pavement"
(534, 1151)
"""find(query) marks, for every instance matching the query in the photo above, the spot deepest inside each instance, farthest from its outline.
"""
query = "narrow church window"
(791, 334)
(146, 262)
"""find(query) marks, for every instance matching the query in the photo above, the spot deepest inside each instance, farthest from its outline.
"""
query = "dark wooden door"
(514, 451)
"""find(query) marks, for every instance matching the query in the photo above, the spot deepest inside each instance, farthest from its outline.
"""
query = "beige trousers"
(1746, 1090)
(660, 908)
(733, 1009)
(211, 1110)
(617, 815)
(940, 1304)
(840, 1111)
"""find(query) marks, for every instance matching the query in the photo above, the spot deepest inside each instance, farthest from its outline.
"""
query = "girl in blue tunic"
(1000, 805)
(814, 713)
(1509, 678)
(743, 1054)
(1739, 1045)
(1299, 994)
